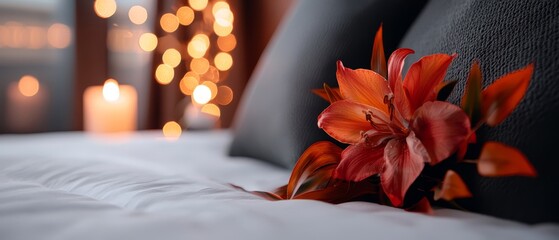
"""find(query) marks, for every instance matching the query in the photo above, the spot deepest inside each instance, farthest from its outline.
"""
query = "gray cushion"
(277, 116)
(504, 36)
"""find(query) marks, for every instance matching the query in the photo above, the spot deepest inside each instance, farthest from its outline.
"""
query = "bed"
(78, 186)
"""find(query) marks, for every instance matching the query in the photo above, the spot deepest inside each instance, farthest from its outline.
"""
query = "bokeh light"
(104, 8)
(223, 61)
(227, 43)
(28, 85)
(188, 83)
(211, 75)
(198, 46)
(224, 95)
(164, 74)
(200, 65)
(138, 14)
(148, 42)
(172, 57)
(213, 88)
(222, 30)
(218, 6)
(201, 94)
(224, 17)
(211, 109)
(198, 5)
(169, 22)
(59, 35)
(172, 130)
(185, 15)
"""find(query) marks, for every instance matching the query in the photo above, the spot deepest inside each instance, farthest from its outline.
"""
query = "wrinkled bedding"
(141, 186)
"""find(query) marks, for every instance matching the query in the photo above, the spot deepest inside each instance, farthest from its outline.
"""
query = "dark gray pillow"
(504, 36)
(277, 118)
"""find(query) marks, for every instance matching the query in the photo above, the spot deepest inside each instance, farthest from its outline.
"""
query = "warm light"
(59, 35)
(211, 75)
(224, 17)
(227, 43)
(202, 94)
(185, 15)
(198, 5)
(104, 8)
(148, 42)
(28, 85)
(212, 87)
(164, 74)
(172, 130)
(37, 37)
(211, 109)
(169, 22)
(111, 91)
(138, 14)
(198, 46)
(223, 61)
(172, 57)
(224, 95)
(219, 5)
(222, 30)
(200, 65)
(188, 83)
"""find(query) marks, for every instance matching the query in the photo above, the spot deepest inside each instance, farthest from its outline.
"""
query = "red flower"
(394, 126)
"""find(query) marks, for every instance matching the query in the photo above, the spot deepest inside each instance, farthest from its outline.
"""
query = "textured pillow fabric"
(504, 36)
(277, 118)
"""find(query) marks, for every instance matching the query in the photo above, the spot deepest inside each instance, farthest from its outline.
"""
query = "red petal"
(501, 97)
(362, 86)
(441, 127)
(423, 78)
(345, 120)
(453, 187)
(341, 192)
(378, 60)
(395, 65)
(402, 166)
(359, 162)
(329, 94)
(498, 159)
(317, 156)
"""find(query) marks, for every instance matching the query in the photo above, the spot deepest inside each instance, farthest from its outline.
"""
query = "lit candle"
(26, 105)
(110, 108)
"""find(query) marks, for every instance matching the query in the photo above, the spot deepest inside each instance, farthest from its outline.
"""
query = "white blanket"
(75, 186)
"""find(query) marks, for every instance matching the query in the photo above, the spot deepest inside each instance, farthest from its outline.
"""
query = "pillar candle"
(110, 108)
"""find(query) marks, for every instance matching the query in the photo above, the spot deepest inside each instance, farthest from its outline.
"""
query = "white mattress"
(74, 186)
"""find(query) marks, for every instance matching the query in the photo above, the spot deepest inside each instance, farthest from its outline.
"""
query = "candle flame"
(111, 91)
(28, 86)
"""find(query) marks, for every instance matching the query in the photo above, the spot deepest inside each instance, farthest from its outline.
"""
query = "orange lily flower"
(394, 127)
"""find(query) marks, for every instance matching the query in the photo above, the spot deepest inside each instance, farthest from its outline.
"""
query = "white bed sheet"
(74, 186)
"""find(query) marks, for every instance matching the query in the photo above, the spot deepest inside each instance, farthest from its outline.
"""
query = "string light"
(148, 42)
(164, 74)
(198, 5)
(169, 22)
(172, 130)
(172, 57)
(104, 8)
(185, 15)
(138, 14)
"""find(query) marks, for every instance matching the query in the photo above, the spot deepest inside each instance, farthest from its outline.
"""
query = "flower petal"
(453, 187)
(345, 120)
(329, 94)
(423, 78)
(500, 98)
(498, 159)
(423, 206)
(441, 127)
(362, 86)
(378, 60)
(318, 156)
(402, 165)
(359, 162)
(471, 101)
(395, 65)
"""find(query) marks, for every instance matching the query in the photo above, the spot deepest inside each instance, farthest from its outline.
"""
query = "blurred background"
(175, 63)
